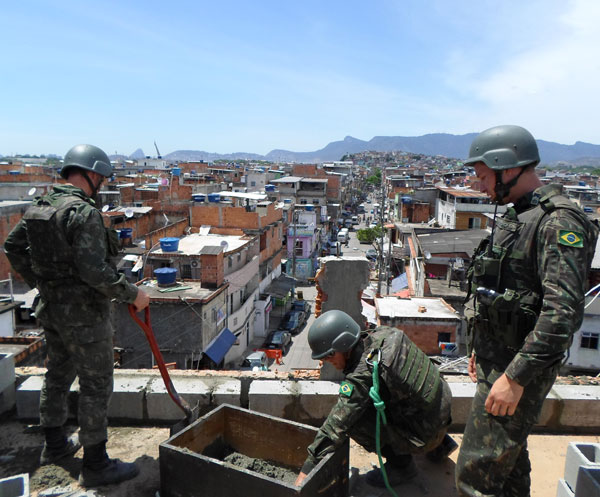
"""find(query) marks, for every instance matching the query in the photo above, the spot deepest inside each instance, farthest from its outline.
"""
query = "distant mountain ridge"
(448, 145)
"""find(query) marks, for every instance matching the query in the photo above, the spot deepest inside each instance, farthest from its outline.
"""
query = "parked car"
(256, 361)
(293, 321)
(301, 305)
(279, 339)
(371, 254)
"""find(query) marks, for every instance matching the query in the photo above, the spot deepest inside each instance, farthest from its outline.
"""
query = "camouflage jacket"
(544, 245)
(408, 415)
(66, 255)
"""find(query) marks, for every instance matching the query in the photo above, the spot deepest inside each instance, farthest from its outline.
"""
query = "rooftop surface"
(415, 308)
(20, 446)
(194, 243)
(186, 290)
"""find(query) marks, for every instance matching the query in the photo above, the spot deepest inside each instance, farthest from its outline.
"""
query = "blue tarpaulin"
(399, 283)
(220, 345)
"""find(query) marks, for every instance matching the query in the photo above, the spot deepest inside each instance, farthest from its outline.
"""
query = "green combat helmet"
(332, 331)
(504, 147)
(89, 158)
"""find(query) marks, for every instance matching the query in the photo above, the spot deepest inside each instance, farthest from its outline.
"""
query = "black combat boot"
(443, 450)
(99, 470)
(57, 445)
(399, 469)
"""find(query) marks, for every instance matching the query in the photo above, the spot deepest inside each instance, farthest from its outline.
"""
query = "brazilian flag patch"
(570, 238)
(346, 389)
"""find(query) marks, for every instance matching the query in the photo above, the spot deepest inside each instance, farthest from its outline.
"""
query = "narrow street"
(298, 356)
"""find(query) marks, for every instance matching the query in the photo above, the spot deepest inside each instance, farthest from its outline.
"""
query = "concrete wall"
(140, 396)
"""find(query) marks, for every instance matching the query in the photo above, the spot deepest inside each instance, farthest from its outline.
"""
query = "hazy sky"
(252, 76)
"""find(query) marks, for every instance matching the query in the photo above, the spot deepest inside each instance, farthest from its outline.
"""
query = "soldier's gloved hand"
(503, 397)
(142, 300)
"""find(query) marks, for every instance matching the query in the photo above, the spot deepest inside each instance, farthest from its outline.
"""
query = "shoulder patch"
(346, 389)
(570, 238)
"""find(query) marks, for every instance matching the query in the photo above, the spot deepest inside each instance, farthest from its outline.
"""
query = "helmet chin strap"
(503, 189)
(93, 187)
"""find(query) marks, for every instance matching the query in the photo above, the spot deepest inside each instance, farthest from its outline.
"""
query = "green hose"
(380, 407)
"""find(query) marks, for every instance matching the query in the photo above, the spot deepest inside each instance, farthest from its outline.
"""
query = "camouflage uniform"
(538, 267)
(416, 397)
(62, 247)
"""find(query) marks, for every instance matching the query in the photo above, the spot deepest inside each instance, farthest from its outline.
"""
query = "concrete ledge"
(141, 396)
(227, 392)
(160, 406)
(128, 398)
(462, 398)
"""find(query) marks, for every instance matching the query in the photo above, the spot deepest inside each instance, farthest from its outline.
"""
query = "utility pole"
(381, 209)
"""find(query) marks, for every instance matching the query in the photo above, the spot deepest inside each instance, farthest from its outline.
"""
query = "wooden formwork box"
(191, 462)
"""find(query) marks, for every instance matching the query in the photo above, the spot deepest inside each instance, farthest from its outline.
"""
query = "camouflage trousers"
(396, 438)
(493, 458)
(71, 354)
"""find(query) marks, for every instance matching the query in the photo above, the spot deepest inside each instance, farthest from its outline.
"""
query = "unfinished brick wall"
(425, 335)
(7, 222)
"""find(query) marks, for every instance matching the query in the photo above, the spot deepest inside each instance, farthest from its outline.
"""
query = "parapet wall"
(140, 397)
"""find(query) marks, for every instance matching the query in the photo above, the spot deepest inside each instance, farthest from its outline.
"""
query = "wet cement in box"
(219, 449)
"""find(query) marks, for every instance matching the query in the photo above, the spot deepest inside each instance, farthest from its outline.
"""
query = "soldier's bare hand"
(503, 397)
(142, 300)
(472, 368)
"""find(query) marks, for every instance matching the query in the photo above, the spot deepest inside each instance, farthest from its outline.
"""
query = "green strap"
(380, 407)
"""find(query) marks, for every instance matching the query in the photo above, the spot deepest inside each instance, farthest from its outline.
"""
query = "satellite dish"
(129, 212)
(31, 191)
(105, 208)
(225, 245)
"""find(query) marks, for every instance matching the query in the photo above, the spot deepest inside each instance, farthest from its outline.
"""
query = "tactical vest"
(504, 285)
(51, 254)
(409, 375)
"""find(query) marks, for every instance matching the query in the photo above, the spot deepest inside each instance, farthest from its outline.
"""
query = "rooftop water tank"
(407, 200)
(199, 197)
(309, 207)
(169, 244)
(214, 197)
(176, 171)
(287, 200)
(269, 188)
(125, 232)
(165, 276)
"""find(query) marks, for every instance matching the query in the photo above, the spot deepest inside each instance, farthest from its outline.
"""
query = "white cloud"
(552, 88)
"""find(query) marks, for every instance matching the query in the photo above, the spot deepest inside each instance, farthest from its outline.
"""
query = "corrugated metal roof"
(467, 192)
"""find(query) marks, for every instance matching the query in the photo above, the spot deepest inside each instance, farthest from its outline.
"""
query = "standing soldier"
(415, 398)
(62, 248)
(525, 301)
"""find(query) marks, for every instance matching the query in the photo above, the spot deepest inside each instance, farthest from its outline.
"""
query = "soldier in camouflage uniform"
(62, 248)
(526, 299)
(417, 399)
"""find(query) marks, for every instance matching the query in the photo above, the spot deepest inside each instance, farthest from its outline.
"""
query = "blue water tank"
(309, 207)
(176, 171)
(407, 200)
(214, 197)
(125, 232)
(287, 200)
(269, 188)
(169, 244)
(582, 183)
(165, 275)
(199, 197)
(193, 171)
(14, 173)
